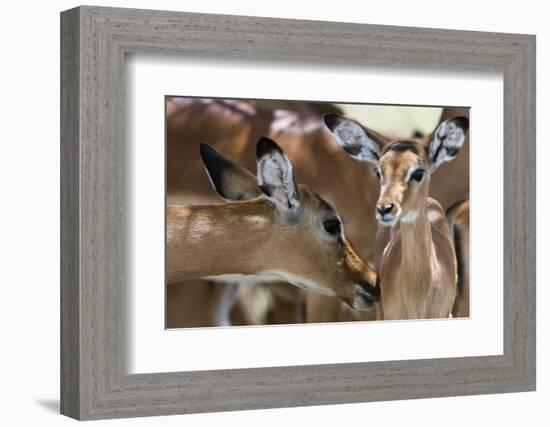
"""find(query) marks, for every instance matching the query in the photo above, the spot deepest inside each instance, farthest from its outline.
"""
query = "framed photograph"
(261, 213)
(253, 278)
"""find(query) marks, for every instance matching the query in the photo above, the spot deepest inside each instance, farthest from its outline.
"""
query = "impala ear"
(447, 140)
(354, 139)
(231, 182)
(275, 174)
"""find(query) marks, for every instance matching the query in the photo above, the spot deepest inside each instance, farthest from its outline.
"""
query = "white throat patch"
(409, 216)
(298, 281)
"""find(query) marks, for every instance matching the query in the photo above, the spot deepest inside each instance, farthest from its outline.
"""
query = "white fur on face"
(386, 223)
(413, 169)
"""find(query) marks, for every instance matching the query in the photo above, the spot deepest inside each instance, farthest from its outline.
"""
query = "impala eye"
(417, 175)
(332, 226)
(377, 172)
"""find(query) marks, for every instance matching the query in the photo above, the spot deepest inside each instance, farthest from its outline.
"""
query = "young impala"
(415, 253)
(270, 227)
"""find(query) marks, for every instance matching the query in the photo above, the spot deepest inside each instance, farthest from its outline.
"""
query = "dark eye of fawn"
(377, 172)
(417, 175)
(332, 226)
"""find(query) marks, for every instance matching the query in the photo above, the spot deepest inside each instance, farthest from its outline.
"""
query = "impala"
(459, 220)
(233, 128)
(415, 253)
(269, 228)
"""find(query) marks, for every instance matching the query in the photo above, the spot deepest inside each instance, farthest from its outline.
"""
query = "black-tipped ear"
(462, 122)
(266, 146)
(229, 180)
(447, 140)
(358, 142)
(332, 120)
(275, 174)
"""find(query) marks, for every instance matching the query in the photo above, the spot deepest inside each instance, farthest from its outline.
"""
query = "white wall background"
(29, 212)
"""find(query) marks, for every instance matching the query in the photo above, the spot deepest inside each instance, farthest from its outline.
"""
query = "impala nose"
(366, 295)
(384, 210)
(373, 292)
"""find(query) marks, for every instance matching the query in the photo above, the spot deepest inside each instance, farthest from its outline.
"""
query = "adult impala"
(415, 253)
(271, 227)
(459, 220)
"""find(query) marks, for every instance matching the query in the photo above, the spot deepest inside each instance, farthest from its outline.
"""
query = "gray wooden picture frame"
(94, 41)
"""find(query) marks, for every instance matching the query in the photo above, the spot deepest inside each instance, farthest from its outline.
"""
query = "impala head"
(403, 167)
(304, 241)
